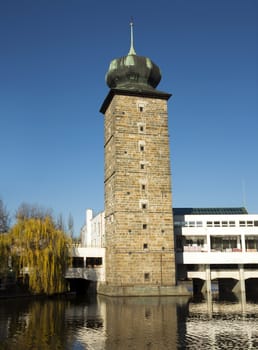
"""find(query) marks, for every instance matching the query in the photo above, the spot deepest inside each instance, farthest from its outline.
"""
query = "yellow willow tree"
(41, 251)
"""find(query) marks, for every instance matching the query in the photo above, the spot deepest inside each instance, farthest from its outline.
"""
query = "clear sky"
(54, 55)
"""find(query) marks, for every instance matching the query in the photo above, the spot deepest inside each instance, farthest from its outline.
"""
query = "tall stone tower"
(140, 256)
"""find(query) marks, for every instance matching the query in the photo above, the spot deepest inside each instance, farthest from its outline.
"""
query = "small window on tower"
(146, 276)
(144, 226)
(145, 246)
(141, 145)
(141, 107)
(143, 203)
(141, 127)
(142, 166)
(143, 187)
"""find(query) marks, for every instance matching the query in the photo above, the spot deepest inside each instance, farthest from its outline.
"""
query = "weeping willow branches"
(38, 250)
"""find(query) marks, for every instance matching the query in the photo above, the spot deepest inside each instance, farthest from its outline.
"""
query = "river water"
(103, 323)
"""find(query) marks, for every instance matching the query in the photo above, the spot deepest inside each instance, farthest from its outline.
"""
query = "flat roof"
(209, 211)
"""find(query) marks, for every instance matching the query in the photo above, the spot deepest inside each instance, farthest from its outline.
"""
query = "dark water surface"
(102, 323)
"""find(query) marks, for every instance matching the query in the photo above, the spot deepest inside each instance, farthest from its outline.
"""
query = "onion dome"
(133, 72)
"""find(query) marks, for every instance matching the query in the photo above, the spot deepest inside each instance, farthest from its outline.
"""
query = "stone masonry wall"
(138, 204)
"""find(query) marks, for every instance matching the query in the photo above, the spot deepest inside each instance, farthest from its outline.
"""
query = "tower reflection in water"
(103, 323)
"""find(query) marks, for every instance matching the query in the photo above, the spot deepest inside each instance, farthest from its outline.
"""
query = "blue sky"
(54, 55)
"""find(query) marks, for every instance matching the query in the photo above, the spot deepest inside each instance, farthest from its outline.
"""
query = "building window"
(141, 146)
(179, 223)
(143, 203)
(143, 187)
(209, 223)
(226, 243)
(251, 243)
(224, 224)
(191, 244)
(199, 223)
(145, 246)
(232, 223)
(144, 226)
(77, 262)
(141, 107)
(242, 223)
(146, 276)
(142, 166)
(216, 223)
(92, 262)
(141, 127)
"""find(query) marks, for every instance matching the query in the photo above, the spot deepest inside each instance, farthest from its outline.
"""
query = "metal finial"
(132, 51)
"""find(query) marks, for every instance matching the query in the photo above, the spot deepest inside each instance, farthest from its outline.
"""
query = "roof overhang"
(125, 92)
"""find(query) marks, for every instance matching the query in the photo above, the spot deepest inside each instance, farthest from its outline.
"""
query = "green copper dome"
(133, 72)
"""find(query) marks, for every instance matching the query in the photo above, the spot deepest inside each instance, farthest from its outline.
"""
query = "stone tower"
(140, 256)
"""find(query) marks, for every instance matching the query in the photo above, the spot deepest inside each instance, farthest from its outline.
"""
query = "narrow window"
(141, 106)
(144, 226)
(141, 145)
(146, 276)
(142, 166)
(143, 187)
(145, 246)
(141, 127)
(144, 205)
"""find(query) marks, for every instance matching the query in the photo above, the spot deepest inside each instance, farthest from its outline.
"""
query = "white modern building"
(215, 236)
(216, 244)
(93, 231)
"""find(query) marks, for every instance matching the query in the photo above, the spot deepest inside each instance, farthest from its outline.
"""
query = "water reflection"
(31, 325)
(102, 323)
(142, 323)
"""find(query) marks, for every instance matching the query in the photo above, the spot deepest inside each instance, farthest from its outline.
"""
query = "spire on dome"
(131, 51)
(133, 72)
